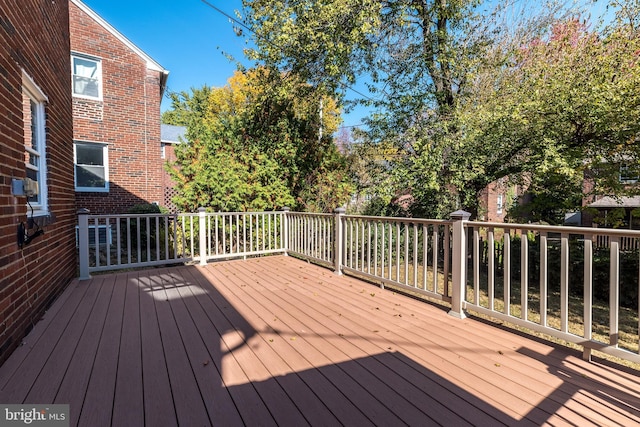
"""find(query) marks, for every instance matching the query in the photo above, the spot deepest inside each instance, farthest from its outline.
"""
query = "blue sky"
(188, 38)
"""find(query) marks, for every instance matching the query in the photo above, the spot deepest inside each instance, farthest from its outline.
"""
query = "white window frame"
(105, 161)
(625, 174)
(30, 89)
(98, 62)
(499, 204)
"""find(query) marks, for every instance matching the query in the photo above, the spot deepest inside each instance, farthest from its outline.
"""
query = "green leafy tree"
(418, 56)
(186, 106)
(465, 98)
(565, 106)
(255, 146)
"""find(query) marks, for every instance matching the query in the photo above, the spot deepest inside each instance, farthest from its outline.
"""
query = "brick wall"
(34, 37)
(127, 119)
(489, 206)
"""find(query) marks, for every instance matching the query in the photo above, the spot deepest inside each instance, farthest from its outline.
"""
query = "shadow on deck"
(278, 341)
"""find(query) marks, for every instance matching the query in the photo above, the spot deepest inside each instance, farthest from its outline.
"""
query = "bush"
(144, 209)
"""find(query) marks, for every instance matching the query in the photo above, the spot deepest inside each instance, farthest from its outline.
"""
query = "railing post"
(459, 262)
(83, 243)
(202, 232)
(338, 243)
(285, 230)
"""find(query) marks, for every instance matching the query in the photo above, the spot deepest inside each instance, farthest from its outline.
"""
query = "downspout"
(146, 138)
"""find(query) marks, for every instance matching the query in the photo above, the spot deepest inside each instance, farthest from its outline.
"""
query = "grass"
(627, 324)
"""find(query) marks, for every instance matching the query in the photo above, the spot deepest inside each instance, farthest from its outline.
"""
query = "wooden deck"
(278, 341)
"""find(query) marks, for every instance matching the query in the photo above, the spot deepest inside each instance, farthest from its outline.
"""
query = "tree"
(186, 106)
(418, 56)
(565, 106)
(464, 99)
(255, 145)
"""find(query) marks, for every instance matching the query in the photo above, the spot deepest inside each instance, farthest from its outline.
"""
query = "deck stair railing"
(548, 279)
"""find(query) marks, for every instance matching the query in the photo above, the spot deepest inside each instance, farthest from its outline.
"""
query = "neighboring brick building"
(605, 210)
(497, 198)
(117, 91)
(36, 130)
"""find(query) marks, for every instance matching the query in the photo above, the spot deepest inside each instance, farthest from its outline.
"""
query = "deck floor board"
(278, 341)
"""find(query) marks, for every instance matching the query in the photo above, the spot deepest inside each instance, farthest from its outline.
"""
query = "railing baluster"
(614, 291)
(362, 247)
(157, 221)
(506, 278)
(425, 255)
(476, 265)
(588, 294)
(543, 279)
(128, 240)
(564, 282)
(375, 248)
(406, 234)
(434, 256)
(524, 274)
(383, 226)
(447, 259)
(491, 254)
(415, 255)
(397, 251)
(390, 250)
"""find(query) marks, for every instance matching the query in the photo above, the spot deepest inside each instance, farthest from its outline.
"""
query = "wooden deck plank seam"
(312, 365)
(373, 373)
(44, 350)
(288, 309)
(224, 313)
(73, 389)
(219, 333)
(307, 272)
(300, 376)
(351, 344)
(292, 309)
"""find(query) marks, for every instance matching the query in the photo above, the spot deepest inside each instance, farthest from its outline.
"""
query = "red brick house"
(605, 210)
(36, 129)
(117, 90)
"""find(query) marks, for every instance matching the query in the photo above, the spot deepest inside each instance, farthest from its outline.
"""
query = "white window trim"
(33, 91)
(105, 157)
(627, 178)
(100, 80)
(499, 204)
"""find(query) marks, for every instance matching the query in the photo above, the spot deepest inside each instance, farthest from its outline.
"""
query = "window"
(87, 77)
(35, 142)
(629, 173)
(499, 202)
(91, 162)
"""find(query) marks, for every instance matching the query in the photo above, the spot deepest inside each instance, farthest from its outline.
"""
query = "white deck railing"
(543, 278)
(110, 242)
(408, 253)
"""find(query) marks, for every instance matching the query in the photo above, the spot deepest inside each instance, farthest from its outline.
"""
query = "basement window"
(91, 162)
